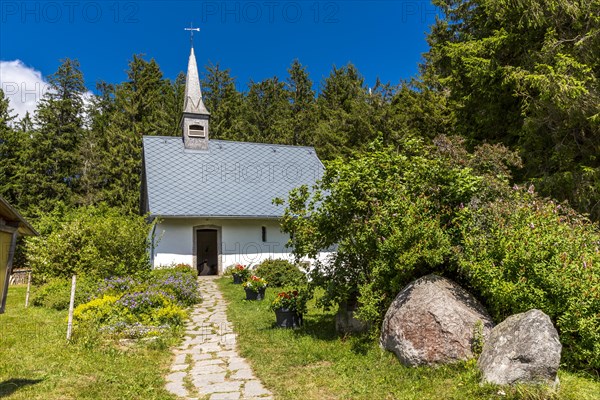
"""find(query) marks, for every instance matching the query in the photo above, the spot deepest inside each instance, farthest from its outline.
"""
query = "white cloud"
(22, 85)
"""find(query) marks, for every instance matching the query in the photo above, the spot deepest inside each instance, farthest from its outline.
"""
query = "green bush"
(279, 273)
(526, 252)
(385, 211)
(56, 293)
(398, 214)
(93, 241)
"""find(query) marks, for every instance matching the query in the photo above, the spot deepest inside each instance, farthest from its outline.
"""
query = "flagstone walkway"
(207, 364)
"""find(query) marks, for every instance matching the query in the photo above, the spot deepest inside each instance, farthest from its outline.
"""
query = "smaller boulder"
(524, 348)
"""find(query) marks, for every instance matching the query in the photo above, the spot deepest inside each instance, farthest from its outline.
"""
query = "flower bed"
(133, 308)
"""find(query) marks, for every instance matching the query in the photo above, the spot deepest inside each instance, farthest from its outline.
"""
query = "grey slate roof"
(230, 179)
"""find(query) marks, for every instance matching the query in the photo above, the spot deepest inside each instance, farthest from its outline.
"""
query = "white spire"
(193, 95)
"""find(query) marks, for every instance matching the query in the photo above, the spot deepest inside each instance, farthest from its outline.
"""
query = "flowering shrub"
(255, 283)
(133, 308)
(144, 302)
(101, 310)
(180, 283)
(183, 267)
(115, 285)
(291, 300)
(398, 214)
(170, 314)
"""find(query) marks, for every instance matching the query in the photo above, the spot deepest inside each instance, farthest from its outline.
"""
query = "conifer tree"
(93, 150)
(142, 98)
(526, 74)
(25, 124)
(417, 110)
(51, 173)
(10, 148)
(344, 125)
(303, 105)
(224, 103)
(139, 108)
(173, 101)
(266, 112)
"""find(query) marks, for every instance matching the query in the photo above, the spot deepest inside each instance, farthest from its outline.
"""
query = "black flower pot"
(237, 279)
(287, 318)
(252, 295)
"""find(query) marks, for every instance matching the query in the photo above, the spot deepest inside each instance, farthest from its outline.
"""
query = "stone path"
(207, 364)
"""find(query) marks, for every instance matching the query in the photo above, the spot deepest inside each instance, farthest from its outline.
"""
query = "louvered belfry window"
(196, 131)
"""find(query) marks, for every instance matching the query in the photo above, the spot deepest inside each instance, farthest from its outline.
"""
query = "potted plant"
(255, 288)
(240, 274)
(289, 307)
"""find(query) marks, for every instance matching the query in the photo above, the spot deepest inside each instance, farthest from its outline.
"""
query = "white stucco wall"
(241, 241)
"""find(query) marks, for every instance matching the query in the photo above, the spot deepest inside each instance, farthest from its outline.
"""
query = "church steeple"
(194, 121)
(193, 94)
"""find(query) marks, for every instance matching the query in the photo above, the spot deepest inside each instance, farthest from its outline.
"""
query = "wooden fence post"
(28, 289)
(71, 306)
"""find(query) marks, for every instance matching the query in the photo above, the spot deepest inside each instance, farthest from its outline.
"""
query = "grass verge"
(314, 362)
(38, 363)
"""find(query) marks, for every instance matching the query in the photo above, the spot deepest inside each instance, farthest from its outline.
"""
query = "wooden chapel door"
(207, 255)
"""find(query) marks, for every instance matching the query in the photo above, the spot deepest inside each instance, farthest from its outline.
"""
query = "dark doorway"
(207, 256)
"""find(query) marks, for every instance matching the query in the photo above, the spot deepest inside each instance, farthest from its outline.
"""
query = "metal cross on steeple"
(192, 29)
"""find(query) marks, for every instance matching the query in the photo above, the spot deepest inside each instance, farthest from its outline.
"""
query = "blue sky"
(255, 39)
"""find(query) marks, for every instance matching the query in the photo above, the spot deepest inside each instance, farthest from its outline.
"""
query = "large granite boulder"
(524, 348)
(433, 321)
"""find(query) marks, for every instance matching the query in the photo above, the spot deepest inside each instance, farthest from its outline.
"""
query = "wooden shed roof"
(12, 218)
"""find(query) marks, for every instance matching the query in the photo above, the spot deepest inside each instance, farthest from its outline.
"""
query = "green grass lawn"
(315, 363)
(36, 362)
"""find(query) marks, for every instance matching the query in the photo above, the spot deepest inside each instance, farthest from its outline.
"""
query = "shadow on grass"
(361, 343)
(10, 386)
(320, 327)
